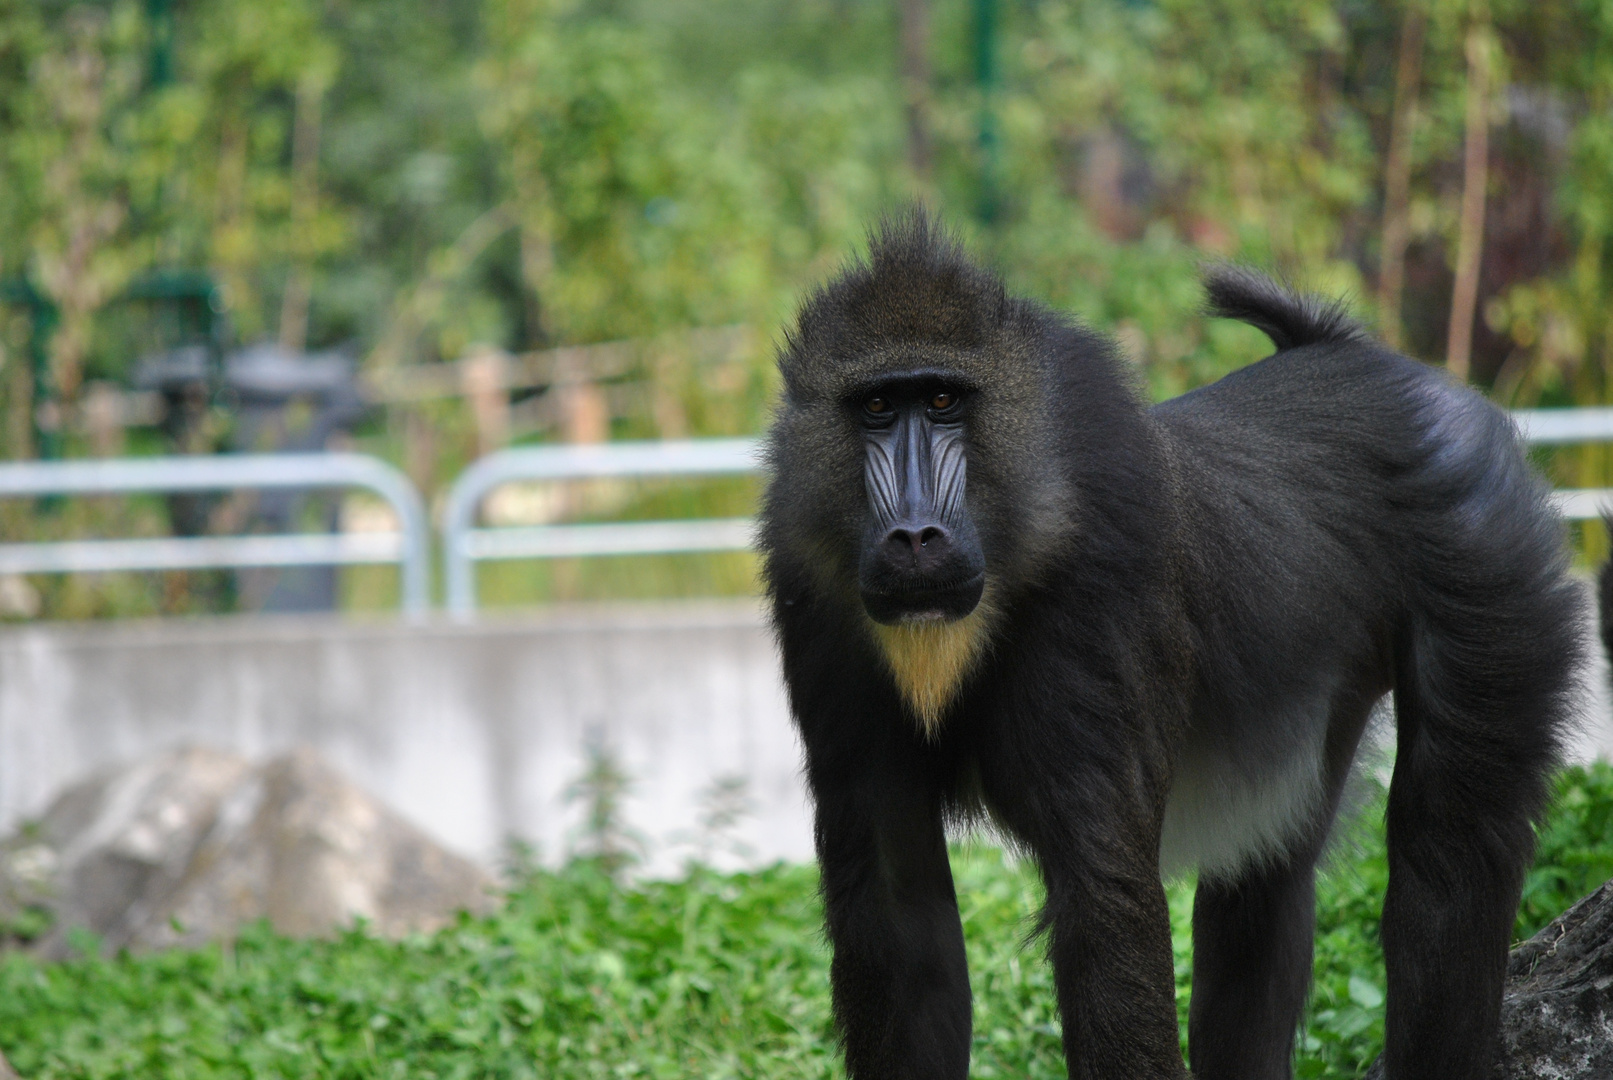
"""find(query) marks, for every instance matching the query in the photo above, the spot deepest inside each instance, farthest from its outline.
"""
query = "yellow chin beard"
(929, 660)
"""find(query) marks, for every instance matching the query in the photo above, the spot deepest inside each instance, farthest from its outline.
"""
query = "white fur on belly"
(1224, 816)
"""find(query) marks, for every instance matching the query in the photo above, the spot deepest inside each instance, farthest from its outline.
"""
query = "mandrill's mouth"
(930, 604)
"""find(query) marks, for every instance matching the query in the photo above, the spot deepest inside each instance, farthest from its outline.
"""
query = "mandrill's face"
(920, 478)
(920, 559)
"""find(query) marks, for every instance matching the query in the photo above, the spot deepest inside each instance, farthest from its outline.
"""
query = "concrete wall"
(473, 732)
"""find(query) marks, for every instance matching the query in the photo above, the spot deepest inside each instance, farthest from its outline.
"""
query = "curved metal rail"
(410, 547)
(1557, 427)
(464, 544)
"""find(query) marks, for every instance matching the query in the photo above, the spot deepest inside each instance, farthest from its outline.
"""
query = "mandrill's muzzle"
(936, 586)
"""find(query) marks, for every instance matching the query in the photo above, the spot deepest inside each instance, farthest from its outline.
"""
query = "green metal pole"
(986, 78)
(48, 440)
(160, 15)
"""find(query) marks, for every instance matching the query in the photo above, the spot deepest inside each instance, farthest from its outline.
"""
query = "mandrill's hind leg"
(1460, 839)
(1252, 943)
(1481, 685)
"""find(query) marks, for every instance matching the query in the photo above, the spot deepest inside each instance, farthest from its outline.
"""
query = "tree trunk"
(915, 41)
(1475, 182)
(1557, 1017)
(1397, 174)
(304, 208)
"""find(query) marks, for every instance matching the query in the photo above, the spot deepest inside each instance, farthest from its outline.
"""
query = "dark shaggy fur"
(1192, 610)
(1604, 594)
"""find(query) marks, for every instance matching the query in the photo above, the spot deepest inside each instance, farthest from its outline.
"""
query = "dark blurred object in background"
(278, 401)
(284, 402)
(288, 401)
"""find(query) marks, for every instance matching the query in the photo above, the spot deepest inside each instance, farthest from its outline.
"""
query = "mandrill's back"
(1336, 454)
(1334, 449)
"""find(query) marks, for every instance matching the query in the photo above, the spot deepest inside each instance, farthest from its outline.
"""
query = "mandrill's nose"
(920, 546)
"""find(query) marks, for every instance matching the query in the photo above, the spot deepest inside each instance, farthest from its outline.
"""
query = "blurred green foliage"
(541, 171)
(408, 179)
(712, 975)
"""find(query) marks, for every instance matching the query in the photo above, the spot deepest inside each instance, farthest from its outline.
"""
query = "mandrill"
(1146, 639)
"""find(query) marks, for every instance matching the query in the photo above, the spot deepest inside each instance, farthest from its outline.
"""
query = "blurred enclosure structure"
(426, 230)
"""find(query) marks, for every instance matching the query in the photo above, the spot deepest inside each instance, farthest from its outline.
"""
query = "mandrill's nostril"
(926, 541)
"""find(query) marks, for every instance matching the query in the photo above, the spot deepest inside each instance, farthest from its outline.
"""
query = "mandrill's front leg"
(901, 980)
(1110, 944)
(1094, 830)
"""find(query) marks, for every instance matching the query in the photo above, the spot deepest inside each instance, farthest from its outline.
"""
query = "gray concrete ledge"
(474, 732)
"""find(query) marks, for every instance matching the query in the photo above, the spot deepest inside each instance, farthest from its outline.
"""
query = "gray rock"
(189, 846)
(6, 1071)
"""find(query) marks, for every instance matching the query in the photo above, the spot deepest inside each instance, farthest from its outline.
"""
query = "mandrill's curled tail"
(1289, 317)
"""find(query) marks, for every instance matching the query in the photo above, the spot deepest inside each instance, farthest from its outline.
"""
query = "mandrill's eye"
(943, 406)
(877, 405)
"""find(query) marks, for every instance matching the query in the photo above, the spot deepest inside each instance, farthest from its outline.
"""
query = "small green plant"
(604, 835)
(1574, 853)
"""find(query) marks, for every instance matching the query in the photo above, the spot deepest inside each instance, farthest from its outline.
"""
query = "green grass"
(710, 976)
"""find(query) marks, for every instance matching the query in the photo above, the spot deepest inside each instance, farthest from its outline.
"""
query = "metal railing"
(1553, 427)
(1557, 427)
(409, 547)
(464, 544)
